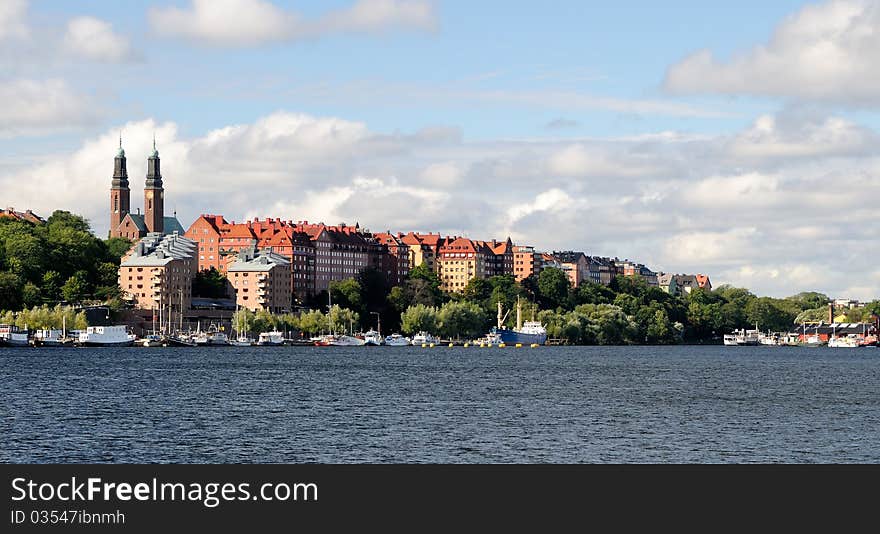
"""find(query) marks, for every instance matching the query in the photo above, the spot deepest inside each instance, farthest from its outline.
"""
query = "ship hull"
(511, 337)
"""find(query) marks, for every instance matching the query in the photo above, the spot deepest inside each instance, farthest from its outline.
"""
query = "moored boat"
(423, 338)
(106, 336)
(397, 340)
(13, 336)
(373, 338)
(273, 338)
(525, 333)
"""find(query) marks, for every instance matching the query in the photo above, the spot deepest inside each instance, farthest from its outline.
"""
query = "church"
(134, 226)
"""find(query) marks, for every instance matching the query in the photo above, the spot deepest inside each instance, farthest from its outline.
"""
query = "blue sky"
(617, 128)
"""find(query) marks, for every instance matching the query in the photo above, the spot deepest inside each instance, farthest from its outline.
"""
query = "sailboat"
(242, 340)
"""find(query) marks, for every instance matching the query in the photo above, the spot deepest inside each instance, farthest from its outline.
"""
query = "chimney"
(830, 312)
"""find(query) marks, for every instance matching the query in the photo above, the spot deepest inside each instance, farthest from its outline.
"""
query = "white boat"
(106, 336)
(742, 337)
(211, 339)
(769, 339)
(273, 338)
(13, 336)
(373, 338)
(397, 340)
(844, 342)
(423, 338)
(51, 338)
(153, 340)
(344, 340)
(242, 341)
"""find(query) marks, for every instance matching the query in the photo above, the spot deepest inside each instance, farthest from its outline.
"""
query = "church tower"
(120, 194)
(154, 195)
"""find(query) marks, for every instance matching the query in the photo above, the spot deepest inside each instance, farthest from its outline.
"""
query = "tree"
(419, 318)
(51, 285)
(553, 286)
(117, 247)
(347, 294)
(593, 293)
(768, 315)
(31, 295)
(10, 291)
(210, 283)
(461, 319)
(74, 290)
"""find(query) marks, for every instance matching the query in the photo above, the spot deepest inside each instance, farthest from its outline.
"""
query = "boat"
(211, 338)
(242, 341)
(526, 333)
(373, 338)
(51, 338)
(273, 338)
(344, 340)
(844, 342)
(106, 336)
(153, 340)
(13, 336)
(769, 339)
(181, 340)
(397, 340)
(423, 338)
(742, 337)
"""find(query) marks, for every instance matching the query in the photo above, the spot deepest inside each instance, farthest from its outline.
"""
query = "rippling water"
(441, 405)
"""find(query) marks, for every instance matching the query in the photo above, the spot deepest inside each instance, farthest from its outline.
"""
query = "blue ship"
(528, 333)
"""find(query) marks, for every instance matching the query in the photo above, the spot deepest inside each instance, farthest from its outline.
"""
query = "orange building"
(526, 262)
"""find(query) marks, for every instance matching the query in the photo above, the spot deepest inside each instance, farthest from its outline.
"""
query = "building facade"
(158, 271)
(262, 280)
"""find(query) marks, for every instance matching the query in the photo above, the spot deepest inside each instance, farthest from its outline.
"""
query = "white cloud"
(825, 52)
(33, 107)
(783, 136)
(94, 39)
(255, 22)
(12, 19)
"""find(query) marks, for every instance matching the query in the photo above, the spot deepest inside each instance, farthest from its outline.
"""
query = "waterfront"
(701, 404)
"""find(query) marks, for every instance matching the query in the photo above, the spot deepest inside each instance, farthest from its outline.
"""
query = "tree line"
(60, 261)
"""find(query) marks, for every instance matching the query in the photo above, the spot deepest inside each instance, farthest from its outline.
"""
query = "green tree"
(767, 314)
(117, 247)
(593, 293)
(461, 320)
(347, 294)
(51, 285)
(419, 318)
(210, 283)
(31, 295)
(10, 291)
(75, 288)
(553, 286)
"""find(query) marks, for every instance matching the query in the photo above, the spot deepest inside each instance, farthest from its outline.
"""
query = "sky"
(738, 140)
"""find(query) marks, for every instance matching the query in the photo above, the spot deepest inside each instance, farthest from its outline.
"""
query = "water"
(440, 405)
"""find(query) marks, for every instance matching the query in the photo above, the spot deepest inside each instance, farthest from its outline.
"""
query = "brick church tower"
(154, 195)
(120, 194)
